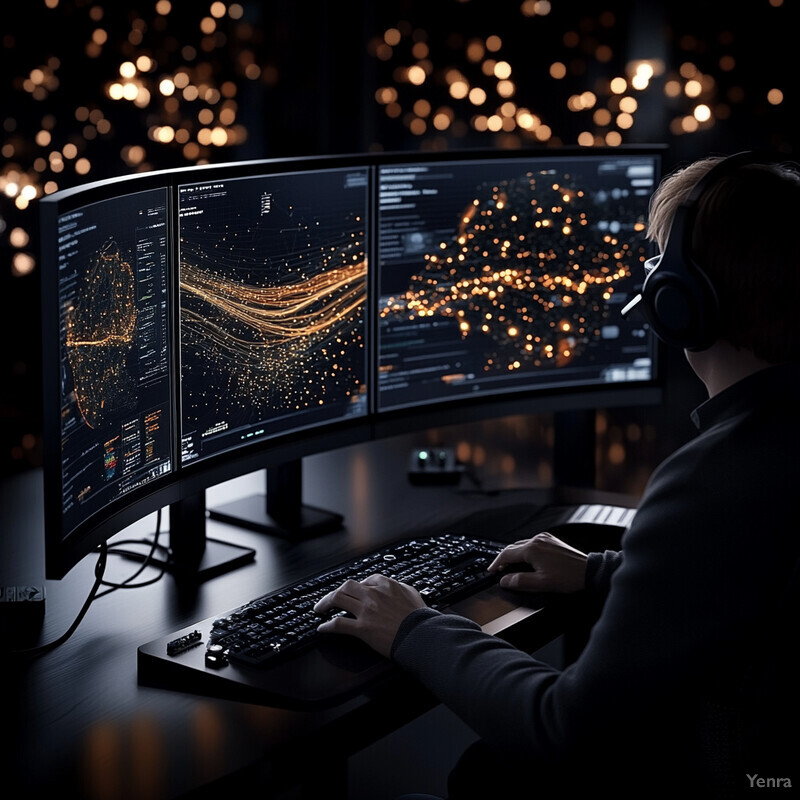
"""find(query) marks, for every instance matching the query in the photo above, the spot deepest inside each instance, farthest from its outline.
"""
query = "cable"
(94, 593)
(99, 571)
(146, 561)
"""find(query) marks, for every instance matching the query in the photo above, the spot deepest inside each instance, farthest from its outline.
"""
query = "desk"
(82, 726)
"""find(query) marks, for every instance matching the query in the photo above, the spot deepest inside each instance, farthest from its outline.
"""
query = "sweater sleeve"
(435, 646)
(599, 569)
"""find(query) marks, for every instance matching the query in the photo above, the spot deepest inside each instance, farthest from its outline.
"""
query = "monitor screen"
(273, 299)
(113, 288)
(508, 274)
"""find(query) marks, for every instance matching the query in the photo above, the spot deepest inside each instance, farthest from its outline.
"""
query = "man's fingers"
(350, 595)
(338, 624)
(346, 597)
(508, 555)
(524, 581)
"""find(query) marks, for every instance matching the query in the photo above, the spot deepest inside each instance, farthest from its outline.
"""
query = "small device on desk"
(21, 610)
(435, 466)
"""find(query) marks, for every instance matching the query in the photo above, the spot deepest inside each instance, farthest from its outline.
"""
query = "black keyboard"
(269, 642)
(440, 568)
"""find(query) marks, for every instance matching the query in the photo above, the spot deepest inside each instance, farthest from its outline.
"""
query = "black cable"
(146, 561)
(99, 571)
(94, 594)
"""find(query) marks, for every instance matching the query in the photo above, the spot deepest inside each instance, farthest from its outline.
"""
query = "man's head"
(745, 236)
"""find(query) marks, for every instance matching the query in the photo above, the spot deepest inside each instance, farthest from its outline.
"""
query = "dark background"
(280, 78)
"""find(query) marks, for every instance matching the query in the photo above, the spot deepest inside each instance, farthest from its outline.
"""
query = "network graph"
(115, 361)
(100, 328)
(528, 273)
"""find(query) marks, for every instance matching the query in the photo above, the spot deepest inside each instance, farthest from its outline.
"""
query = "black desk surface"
(80, 723)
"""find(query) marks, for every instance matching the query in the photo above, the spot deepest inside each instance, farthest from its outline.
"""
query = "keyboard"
(269, 649)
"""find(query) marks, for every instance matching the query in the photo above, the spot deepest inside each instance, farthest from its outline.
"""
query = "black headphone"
(677, 298)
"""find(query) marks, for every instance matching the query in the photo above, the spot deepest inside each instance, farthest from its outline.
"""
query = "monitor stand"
(574, 448)
(281, 511)
(193, 555)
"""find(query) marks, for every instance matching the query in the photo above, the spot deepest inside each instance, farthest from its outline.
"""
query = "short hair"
(746, 238)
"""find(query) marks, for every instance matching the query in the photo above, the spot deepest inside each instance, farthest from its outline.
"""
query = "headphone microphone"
(677, 298)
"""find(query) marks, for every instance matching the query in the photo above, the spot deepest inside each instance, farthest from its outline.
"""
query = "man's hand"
(556, 566)
(375, 606)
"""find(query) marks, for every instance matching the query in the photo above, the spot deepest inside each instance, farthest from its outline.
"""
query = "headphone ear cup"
(677, 298)
(681, 305)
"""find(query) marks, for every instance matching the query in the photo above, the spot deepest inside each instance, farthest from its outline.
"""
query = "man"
(686, 684)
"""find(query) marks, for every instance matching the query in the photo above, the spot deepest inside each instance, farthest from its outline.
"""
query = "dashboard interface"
(500, 275)
(113, 299)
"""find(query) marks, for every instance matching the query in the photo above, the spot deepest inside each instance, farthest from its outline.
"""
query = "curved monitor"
(207, 322)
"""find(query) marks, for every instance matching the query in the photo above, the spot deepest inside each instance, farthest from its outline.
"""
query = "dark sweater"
(676, 669)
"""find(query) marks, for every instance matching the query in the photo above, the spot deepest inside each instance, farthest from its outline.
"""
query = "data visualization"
(273, 292)
(496, 276)
(113, 291)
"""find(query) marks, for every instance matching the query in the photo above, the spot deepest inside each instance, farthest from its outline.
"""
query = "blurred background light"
(93, 89)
